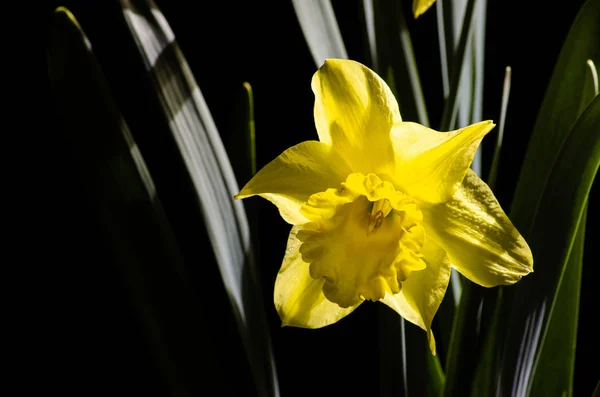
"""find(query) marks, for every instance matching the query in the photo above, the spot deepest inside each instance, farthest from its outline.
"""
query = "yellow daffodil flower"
(420, 6)
(382, 209)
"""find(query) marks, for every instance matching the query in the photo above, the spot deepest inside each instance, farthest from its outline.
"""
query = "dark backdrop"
(95, 331)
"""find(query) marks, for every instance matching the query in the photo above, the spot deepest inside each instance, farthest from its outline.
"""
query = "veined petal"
(354, 112)
(290, 179)
(299, 299)
(423, 291)
(430, 165)
(420, 6)
(480, 240)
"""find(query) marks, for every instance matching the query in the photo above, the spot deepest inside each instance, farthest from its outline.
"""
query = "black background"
(93, 332)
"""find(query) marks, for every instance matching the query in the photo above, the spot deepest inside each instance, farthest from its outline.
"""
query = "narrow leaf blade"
(321, 30)
(560, 210)
(128, 211)
(195, 133)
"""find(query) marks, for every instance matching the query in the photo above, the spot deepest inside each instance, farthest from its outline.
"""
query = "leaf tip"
(61, 10)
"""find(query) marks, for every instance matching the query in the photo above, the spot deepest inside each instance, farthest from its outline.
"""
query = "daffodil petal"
(354, 112)
(423, 291)
(480, 240)
(290, 179)
(430, 165)
(420, 6)
(299, 298)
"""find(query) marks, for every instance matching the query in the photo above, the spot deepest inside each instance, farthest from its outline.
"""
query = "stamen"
(381, 209)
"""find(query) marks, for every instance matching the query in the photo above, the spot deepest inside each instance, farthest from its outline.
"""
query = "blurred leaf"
(493, 174)
(241, 145)
(320, 28)
(456, 68)
(597, 390)
(470, 98)
(127, 209)
(445, 40)
(556, 364)
(551, 239)
(473, 321)
(406, 365)
(482, 382)
(557, 356)
(195, 133)
(553, 129)
(558, 112)
(393, 51)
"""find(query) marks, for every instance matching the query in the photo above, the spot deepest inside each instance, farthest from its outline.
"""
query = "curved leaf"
(192, 128)
(551, 239)
(128, 211)
(558, 112)
(320, 28)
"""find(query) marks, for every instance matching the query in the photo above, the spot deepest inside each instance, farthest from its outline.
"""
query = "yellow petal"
(424, 290)
(480, 240)
(290, 179)
(420, 6)
(354, 112)
(299, 299)
(430, 165)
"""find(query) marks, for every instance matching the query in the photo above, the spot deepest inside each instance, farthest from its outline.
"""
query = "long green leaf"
(554, 373)
(406, 365)
(194, 131)
(241, 145)
(493, 174)
(320, 28)
(470, 98)
(558, 112)
(556, 117)
(597, 390)
(551, 239)
(558, 353)
(456, 68)
(128, 211)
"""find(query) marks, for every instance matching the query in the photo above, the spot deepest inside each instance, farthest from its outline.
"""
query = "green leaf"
(472, 323)
(556, 363)
(192, 128)
(560, 211)
(493, 175)
(553, 130)
(320, 28)
(558, 112)
(597, 390)
(127, 209)
(470, 98)
(241, 145)
(406, 366)
(393, 52)
(456, 69)
(557, 356)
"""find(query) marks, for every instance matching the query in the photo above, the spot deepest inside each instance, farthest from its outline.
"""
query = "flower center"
(381, 209)
(363, 239)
